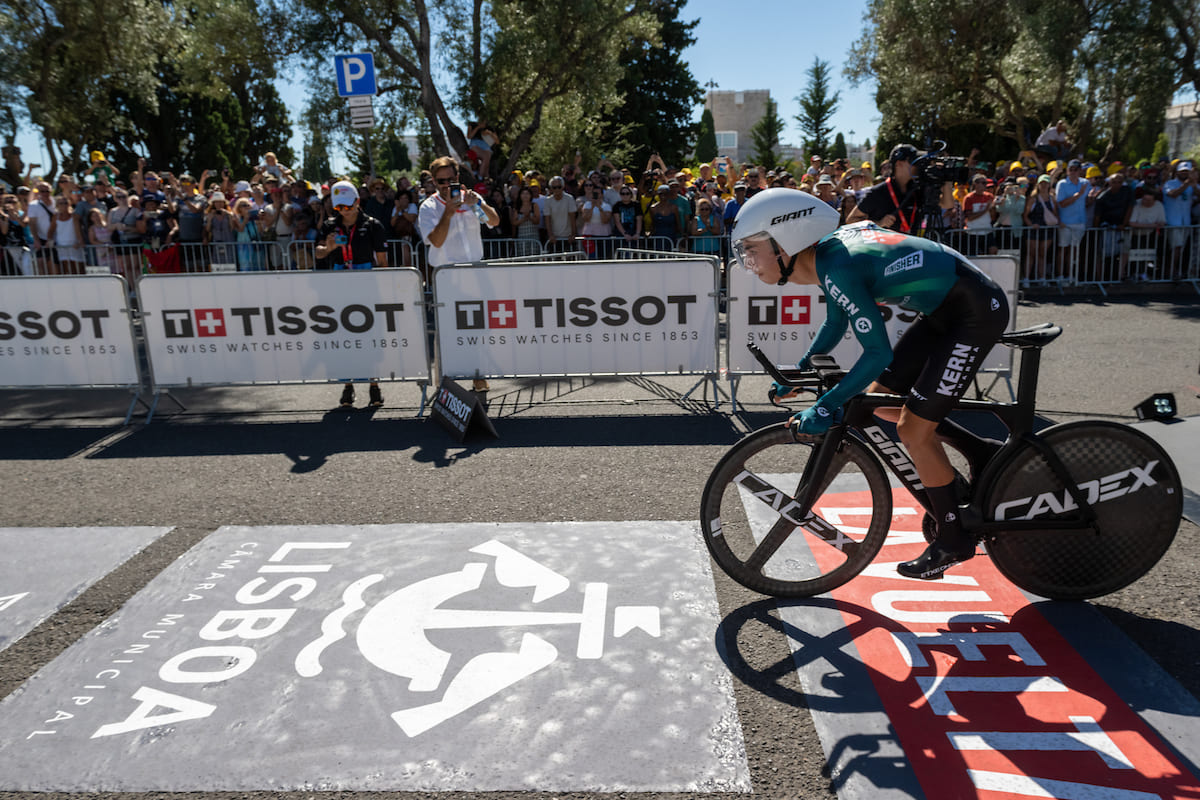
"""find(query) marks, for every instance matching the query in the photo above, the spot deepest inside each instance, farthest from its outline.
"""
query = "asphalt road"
(611, 449)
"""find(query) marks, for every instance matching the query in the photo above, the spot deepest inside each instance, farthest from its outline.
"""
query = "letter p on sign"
(355, 74)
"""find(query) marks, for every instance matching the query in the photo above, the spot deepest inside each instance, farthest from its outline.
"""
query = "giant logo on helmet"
(800, 212)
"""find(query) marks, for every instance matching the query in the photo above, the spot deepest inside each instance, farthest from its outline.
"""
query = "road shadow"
(309, 444)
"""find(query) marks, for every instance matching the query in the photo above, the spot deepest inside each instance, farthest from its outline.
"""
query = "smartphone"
(456, 190)
(340, 239)
(721, 169)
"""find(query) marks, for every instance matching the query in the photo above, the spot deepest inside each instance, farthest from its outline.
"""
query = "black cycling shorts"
(939, 354)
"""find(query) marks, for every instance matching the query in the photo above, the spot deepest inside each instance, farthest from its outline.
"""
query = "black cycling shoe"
(930, 565)
(347, 400)
(376, 397)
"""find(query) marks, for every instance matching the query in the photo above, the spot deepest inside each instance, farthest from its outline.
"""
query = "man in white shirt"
(560, 212)
(448, 223)
(447, 220)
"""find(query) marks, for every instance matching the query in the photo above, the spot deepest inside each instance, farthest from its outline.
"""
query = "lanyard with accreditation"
(905, 224)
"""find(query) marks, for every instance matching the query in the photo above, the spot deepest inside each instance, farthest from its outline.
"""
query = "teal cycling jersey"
(861, 266)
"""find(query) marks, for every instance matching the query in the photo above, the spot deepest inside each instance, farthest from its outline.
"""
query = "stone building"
(1183, 129)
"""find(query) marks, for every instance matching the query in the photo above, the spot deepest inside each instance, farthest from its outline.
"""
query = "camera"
(936, 169)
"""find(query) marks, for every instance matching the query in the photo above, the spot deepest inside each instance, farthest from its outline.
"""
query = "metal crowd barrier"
(1103, 256)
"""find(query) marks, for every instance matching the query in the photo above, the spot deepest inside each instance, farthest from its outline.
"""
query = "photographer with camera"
(916, 195)
(894, 203)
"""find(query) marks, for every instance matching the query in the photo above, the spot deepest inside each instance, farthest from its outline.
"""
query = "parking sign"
(355, 74)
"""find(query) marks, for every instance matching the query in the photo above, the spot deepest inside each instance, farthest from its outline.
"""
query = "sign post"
(356, 82)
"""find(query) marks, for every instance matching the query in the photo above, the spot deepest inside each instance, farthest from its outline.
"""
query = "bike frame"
(988, 458)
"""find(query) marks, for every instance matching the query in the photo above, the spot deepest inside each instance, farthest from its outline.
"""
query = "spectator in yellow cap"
(99, 166)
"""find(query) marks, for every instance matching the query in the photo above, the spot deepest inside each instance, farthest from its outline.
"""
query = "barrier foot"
(137, 398)
(154, 404)
(733, 387)
(424, 399)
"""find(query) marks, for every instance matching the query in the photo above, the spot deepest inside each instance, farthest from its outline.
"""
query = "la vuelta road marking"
(986, 697)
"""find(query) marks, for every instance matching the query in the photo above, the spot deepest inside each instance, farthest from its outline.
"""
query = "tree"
(706, 141)
(1021, 66)
(1180, 36)
(133, 77)
(657, 90)
(839, 147)
(765, 135)
(506, 66)
(817, 107)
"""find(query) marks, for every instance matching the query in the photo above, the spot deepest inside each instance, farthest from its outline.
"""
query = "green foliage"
(765, 136)
(706, 141)
(132, 77)
(957, 70)
(838, 150)
(657, 90)
(817, 107)
(1162, 148)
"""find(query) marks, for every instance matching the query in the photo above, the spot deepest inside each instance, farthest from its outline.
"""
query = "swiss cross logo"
(502, 313)
(210, 321)
(794, 310)
(790, 310)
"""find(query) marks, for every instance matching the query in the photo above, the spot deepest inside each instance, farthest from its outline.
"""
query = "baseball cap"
(1094, 172)
(217, 197)
(242, 186)
(1184, 166)
(344, 194)
(739, 185)
(1074, 162)
(825, 179)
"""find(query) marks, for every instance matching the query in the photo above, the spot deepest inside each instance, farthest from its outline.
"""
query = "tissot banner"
(782, 320)
(284, 326)
(66, 331)
(577, 318)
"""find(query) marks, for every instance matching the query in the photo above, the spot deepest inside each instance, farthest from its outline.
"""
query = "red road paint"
(987, 699)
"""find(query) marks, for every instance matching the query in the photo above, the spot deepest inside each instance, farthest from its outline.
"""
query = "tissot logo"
(792, 310)
(60, 324)
(187, 323)
(579, 312)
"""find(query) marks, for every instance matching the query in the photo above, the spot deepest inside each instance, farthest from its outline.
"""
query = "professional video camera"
(930, 173)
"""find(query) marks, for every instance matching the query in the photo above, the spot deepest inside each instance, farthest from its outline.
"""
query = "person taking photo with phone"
(352, 239)
(449, 221)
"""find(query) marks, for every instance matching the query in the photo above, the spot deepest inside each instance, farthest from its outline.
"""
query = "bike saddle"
(1037, 336)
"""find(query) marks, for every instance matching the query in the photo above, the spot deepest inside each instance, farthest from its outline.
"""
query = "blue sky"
(770, 44)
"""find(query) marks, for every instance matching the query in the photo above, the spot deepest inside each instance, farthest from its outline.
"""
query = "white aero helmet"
(791, 220)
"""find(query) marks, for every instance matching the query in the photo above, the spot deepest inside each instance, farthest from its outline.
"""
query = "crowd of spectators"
(1065, 219)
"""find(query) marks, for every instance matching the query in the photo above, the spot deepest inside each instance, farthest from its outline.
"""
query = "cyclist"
(784, 236)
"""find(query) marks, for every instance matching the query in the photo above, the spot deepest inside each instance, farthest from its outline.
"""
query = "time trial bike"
(1073, 511)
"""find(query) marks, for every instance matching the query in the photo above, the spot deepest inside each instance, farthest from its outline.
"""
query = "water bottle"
(480, 213)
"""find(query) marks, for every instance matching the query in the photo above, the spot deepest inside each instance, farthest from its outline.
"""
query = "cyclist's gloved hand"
(812, 421)
(779, 392)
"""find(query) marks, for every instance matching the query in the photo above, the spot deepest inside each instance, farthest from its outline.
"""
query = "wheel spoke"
(771, 543)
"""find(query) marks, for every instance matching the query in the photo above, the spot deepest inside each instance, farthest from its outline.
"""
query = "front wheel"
(757, 535)
(1129, 481)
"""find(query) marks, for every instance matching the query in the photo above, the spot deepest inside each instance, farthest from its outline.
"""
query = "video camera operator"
(899, 202)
